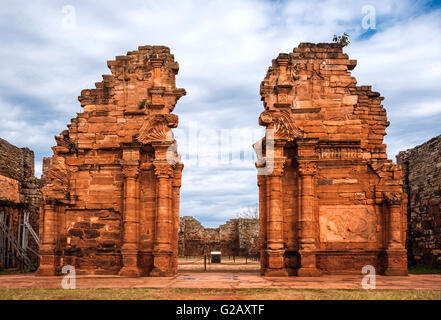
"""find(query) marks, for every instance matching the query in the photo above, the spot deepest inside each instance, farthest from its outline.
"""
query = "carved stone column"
(129, 249)
(162, 265)
(307, 224)
(275, 241)
(49, 259)
(175, 213)
(395, 252)
(261, 182)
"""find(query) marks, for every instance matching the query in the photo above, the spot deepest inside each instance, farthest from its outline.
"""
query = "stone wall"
(18, 186)
(422, 182)
(111, 194)
(16, 163)
(330, 200)
(19, 192)
(237, 237)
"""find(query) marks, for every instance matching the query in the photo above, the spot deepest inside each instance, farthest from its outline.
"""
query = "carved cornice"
(385, 169)
(307, 168)
(393, 198)
(276, 167)
(282, 124)
(265, 118)
(163, 169)
(156, 128)
(130, 172)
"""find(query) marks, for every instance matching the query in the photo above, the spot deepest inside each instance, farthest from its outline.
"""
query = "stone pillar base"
(129, 272)
(156, 272)
(275, 273)
(48, 265)
(309, 272)
(145, 262)
(396, 262)
(308, 265)
(130, 264)
(275, 264)
(395, 272)
(162, 264)
(46, 271)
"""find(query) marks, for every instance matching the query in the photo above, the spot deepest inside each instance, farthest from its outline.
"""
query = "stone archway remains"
(330, 200)
(111, 202)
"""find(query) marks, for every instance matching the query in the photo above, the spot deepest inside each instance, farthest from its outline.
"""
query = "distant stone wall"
(19, 193)
(16, 163)
(17, 175)
(236, 237)
(422, 182)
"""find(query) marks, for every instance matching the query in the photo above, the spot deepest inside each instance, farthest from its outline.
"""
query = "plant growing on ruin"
(343, 40)
(141, 104)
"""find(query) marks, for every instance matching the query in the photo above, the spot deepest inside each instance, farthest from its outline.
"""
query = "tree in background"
(249, 213)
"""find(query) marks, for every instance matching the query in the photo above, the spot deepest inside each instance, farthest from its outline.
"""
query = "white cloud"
(224, 48)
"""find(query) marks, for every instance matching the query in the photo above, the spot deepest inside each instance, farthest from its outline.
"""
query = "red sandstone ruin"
(111, 202)
(330, 200)
(19, 207)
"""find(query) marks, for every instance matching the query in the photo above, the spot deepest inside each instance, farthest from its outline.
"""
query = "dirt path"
(220, 280)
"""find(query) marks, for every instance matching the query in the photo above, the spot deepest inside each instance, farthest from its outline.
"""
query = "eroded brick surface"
(330, 200)
(237, 237)
(111, 199)
(9, 190)
(422, 183)
(19, 193)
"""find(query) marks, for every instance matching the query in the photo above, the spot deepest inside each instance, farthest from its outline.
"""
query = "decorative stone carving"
(265, 118)
(157, 128)
(393, 198)
(284, 128)
(335, 206)
(110, 205)
(347, 223)
(307, 168)
(163, 170)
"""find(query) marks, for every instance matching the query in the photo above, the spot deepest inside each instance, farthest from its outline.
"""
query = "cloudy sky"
(50, 50)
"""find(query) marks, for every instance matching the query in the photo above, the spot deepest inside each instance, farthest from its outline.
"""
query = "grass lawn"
(216, 294)
(423, 270)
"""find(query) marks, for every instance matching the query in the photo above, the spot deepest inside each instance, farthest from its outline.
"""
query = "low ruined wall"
(19, 193)
(237, 237)
(17, 174)
(422, 182)
(16, 163)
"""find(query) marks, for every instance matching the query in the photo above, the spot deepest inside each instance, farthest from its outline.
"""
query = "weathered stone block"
(333, 200)
(95, 205)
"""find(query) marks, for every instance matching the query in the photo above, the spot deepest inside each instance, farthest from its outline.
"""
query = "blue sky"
(224, 48)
